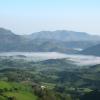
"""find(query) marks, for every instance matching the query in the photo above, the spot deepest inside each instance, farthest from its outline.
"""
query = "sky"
(28, 16)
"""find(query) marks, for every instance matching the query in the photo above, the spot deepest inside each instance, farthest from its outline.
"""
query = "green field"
(22, 93)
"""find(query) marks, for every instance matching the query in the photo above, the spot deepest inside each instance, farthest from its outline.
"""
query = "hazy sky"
(27, 16)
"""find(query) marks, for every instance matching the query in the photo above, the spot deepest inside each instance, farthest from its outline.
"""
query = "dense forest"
(53, 79)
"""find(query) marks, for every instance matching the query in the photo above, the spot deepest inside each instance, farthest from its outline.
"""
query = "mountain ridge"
(46, 41)
(64, 35)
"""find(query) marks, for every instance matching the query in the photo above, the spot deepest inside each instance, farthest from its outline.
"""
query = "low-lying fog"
(38, 56)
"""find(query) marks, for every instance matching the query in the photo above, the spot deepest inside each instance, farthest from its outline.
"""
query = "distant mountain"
(8, 40)
(46, 41)
(63, 35)
(7, 35)
(94, 50)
